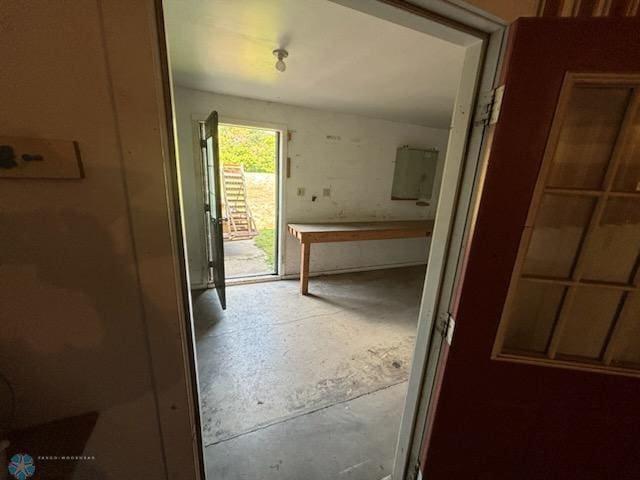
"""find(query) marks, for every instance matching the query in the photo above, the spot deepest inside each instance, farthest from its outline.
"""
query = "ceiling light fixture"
(281, 54)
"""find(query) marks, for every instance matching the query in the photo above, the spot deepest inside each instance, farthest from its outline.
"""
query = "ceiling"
(339, 59)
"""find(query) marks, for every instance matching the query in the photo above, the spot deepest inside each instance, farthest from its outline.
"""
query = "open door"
(541, 377)
(213, 206)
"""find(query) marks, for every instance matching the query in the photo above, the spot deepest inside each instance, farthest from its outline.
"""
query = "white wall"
(80, 328)
(352, 155)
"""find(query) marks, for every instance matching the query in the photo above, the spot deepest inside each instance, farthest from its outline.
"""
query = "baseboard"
(290, 276)
(256, 279)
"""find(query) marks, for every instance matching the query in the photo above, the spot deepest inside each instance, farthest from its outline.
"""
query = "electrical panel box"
(414, 174)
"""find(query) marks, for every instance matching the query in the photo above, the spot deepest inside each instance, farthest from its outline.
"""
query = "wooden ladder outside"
(240, 224)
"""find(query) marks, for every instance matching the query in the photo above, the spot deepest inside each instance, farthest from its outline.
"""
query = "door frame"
(451, 233)
(483, 36)
(447, 19)
(196, 120)
(451, 236)
(281, 169)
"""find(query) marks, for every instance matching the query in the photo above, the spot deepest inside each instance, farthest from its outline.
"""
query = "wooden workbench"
(308, 233)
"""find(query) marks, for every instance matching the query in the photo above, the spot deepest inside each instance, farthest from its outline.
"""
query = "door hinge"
(211, 264)
(203, 143)
(207, 207)
(446, 327)
(451, 326)
(219, 221)
(489, 105)
(414, 472)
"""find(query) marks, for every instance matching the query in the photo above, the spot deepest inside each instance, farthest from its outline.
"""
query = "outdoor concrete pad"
(243, 258)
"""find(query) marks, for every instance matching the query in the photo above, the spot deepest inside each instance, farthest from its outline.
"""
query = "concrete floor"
(306, 387)
(242, 258)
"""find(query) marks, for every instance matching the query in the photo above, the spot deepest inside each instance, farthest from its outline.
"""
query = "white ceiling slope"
(339, 59)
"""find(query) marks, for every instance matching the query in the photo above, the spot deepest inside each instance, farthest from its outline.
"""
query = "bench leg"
(305, 250)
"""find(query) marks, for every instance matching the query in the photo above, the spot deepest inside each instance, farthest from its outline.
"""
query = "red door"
(549, 387)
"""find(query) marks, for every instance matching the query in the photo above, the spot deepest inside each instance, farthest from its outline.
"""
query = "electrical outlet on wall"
(301, 191)
(326, 192)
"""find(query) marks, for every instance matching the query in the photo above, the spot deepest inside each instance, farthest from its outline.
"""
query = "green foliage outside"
(266, 241)
(251, 147)
(256, 150)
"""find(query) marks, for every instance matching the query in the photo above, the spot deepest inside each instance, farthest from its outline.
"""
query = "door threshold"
(271, 277)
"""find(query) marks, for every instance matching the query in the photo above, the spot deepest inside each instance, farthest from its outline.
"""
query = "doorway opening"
(370, 158)
(249, 174)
